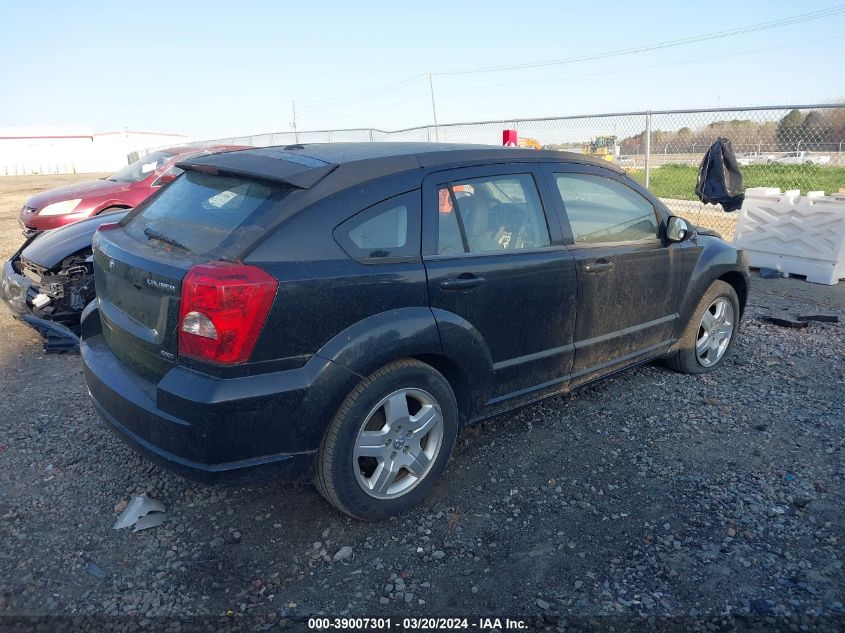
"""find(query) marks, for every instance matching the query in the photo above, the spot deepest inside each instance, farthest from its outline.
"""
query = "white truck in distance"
(801, 158)
(755, 158)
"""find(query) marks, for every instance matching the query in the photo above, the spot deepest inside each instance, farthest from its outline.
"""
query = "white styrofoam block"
(794, 234)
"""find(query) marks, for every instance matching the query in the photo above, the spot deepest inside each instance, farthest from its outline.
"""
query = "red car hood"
(87, 189)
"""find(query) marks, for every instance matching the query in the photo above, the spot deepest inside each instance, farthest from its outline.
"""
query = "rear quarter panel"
(323, 292)
(318, 301)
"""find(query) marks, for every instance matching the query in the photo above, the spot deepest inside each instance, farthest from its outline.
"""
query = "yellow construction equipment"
(529, 143)
(602, 146)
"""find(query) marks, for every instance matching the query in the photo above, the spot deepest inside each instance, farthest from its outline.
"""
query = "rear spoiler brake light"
(302, 172)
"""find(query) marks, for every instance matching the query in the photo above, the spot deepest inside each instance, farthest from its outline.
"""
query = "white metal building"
(67, 150)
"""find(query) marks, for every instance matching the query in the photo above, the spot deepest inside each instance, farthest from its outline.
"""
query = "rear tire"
(389, 443)
(708, 340)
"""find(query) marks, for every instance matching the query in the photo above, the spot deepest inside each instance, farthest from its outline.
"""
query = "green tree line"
(816, 130)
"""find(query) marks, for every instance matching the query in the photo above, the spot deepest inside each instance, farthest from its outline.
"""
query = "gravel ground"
(653, 498)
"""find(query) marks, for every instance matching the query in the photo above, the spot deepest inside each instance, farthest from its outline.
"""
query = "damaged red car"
(124, 189)
(49, 279)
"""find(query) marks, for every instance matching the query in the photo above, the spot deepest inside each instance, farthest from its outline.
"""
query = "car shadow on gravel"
(650, 493)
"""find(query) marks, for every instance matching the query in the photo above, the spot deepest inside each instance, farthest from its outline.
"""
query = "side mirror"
(677, 229)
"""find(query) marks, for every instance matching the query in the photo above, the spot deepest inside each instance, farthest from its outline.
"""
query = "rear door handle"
(598, 266)
(465, 282)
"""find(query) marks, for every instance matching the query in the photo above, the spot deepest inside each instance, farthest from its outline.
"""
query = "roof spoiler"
(297, 170)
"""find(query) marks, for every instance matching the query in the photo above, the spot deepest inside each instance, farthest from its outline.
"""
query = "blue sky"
(211, 69)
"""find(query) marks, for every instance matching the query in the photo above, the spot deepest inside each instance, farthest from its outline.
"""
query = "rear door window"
(494, 213)
(202, 213)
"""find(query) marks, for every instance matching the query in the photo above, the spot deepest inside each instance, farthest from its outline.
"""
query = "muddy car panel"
(339, 314)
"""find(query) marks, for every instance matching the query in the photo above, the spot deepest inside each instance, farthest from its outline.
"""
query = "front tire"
(710, 335)
(389, 443)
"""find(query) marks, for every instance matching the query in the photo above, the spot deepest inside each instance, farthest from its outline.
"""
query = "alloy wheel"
(398, 443)
(714, 332)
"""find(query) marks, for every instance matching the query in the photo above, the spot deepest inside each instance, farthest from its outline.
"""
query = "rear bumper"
(291, 466)
(213, 429)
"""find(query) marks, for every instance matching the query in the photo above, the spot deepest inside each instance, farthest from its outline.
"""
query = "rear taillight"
(222, 311)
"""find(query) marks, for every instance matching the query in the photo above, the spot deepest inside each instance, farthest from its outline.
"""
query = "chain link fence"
(786, 146)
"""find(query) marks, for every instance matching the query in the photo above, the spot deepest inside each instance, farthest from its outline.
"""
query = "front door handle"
(598, 266)
(464, 282)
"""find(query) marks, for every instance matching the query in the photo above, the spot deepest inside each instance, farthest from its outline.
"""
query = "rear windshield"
(207, 214)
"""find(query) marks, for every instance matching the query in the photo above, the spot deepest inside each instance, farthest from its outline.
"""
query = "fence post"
(647, 147)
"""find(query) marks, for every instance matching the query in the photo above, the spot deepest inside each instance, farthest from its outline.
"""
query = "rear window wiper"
(152, 234)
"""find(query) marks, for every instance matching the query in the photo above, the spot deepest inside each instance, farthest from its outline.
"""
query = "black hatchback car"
(342, 310)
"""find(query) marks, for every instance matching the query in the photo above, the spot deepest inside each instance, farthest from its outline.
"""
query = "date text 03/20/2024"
(421, 624)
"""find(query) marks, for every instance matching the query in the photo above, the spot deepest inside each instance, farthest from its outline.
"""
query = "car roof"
(305, 165)
(429, 153)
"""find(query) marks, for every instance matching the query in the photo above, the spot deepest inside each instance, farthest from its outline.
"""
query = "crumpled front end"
(58, 294)
(14, 289)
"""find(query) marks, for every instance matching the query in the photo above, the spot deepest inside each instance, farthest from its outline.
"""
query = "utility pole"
(433, 108)
(293, 123)
(647, 147)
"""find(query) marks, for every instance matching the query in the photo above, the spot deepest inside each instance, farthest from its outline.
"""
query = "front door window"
(601, 210)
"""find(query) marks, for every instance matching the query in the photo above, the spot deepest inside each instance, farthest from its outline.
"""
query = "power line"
(649, 67)
(433, 108)
(333, 102)
(338, 102)
(762, 26)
